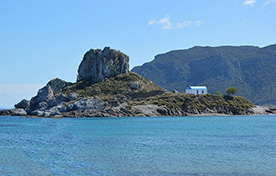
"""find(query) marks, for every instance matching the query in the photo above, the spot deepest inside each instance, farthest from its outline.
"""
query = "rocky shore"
(106, 88)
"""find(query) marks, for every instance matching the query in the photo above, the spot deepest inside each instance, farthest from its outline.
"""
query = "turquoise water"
(235, 145)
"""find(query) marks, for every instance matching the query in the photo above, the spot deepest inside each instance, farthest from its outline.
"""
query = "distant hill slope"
(251, 69)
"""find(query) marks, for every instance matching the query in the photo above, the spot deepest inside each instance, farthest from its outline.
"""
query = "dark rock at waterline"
(13, 112)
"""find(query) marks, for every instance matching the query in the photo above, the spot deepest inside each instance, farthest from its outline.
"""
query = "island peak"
(97, 65)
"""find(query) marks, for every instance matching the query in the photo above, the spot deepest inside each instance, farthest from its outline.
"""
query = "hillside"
(251, 69)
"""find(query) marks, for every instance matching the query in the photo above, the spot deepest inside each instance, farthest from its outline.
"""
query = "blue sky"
(41, 40)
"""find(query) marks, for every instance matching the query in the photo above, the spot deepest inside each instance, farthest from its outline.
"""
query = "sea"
(161, 146)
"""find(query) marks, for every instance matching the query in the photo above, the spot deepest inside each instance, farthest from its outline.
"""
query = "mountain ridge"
(249, 68)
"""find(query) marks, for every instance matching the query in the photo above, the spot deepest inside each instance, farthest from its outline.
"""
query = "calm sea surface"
(234, 145)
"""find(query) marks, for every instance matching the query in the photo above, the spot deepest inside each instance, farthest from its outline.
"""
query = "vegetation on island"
(201, 103)
(116, 90)
(231, 91)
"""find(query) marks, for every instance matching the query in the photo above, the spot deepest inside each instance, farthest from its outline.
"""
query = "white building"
(196, 90)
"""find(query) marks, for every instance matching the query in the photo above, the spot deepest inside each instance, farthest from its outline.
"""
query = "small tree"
(231, 91)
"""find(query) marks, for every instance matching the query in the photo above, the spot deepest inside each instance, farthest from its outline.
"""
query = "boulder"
(135, 85)
(5, 113)
(13, 112)
(57, 100)
(85, 104)
(18, 112)
(57, 85)
(44, 95)
(24, 104)
(100, 64)
(260, 109)
(52, 112)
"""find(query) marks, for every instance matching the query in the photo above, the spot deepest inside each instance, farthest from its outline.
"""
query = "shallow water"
(232, 145)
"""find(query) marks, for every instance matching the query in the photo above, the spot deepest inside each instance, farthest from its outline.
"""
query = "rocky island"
(106, 88)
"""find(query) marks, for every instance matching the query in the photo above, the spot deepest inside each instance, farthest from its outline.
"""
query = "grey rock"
(72, 96)
(53, 87)
(19, 112)
(135, 85)
(46, 114)
(148, 110)
(24, 104)
(53, 111)
(57, 100)
(5, 112)
(37, 113)
(100, 64)
(260, 109)
(44, 95)
(16, 112)
(61, 107)
(42, 105)
(57, 85)
(86, 103)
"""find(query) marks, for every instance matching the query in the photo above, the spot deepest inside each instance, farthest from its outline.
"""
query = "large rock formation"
(100, 64)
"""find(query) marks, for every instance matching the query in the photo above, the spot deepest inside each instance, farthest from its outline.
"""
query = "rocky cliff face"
(100, 64)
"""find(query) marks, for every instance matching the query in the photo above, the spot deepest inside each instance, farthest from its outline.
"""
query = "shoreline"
(188, 115)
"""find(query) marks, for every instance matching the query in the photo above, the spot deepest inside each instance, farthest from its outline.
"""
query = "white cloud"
(167, 24)
(188, 23)
(151, 22)
(249, 2)
(269, 2)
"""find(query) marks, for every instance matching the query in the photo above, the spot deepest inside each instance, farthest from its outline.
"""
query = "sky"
(42, 40)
